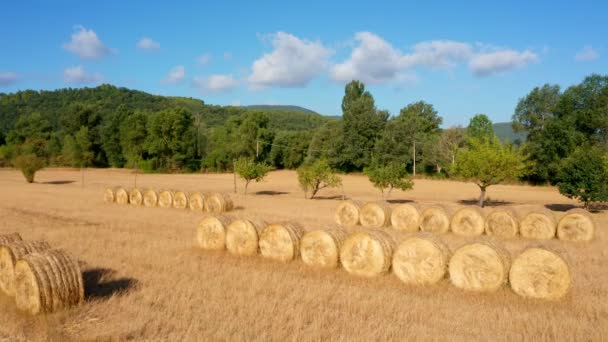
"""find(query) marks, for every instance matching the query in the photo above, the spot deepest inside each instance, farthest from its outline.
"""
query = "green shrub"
(28, 164)
(317, 176)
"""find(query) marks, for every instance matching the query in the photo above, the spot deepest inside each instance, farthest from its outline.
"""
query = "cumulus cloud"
(292, 63)
(216, 83)
(86, 44)
(438, 53)
(7, 78)
(176, 75)
(78, 75)
(203, 59)
(587, 54)
(148, 44)
(488, 63)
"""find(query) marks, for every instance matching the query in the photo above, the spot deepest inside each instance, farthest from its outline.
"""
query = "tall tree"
(535, 109)
(480, 127)
(420, 121)
(584, 175)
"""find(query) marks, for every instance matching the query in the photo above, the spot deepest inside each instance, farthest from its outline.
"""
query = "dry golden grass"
(145, 278)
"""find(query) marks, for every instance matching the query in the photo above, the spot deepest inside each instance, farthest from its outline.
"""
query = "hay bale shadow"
(101, 283)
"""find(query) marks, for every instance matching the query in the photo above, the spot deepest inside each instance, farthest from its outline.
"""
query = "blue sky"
(464, 57)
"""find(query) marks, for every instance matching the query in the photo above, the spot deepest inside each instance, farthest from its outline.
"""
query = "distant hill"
(504, 131)
(285, 108)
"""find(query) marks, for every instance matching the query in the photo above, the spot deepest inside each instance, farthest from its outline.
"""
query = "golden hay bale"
(281, 241)
(9, 254)
(467, 221)
(150, 198)
(375, 214)
(421, 260)
(8, 238)
(196, 202)
(122, 196)
(211, 232)
(406, 217)
(218, 203)
(347, 213)
(165, 199)
(480, 266)
(180, 200)
(367, 253)
(538, 224)
(576, 225)
(47, 281)
(540, 273)
(502, 223)
(435, 220)
(109, 195)
(136, 197)
(321, 248)
(242, 236)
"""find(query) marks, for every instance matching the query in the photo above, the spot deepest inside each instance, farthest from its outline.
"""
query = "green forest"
(109, 126)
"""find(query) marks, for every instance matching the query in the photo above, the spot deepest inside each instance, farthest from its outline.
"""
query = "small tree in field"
(317, 176)
(488, 162)
(390, 176)
(28, 164)
(584, 176)
(249, 170)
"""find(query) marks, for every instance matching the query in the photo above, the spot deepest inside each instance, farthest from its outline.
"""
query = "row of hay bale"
(40, 279)
(195, 201)
(539, 224)
(421, 260)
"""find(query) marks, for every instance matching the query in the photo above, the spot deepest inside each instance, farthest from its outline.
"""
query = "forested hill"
(55, 106)
(285, 108)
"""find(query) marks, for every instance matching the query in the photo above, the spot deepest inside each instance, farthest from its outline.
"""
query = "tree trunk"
(482, 196)
(246, 186)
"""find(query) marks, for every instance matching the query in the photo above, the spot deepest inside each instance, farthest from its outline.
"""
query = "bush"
(249, 170)
(584, 176)
(317, 176)
(389, 176)
(28, 164)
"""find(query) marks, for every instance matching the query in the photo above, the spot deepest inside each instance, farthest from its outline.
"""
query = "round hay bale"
(150, 198)
(136, 197)
(540, 273)
(196, 201)
(347, 213)
(421, 260)
(109, 195)
(406, 217)
(321, 248)
(211, 232)
(218, 203)
(281, 241)
(47, 281)
(165, 199)
(538, 224)
(242, 236)
(577, 225)
(480, 266)
(367, 254)
(122, 196)
(467, 221)
(434, 220)
(502, 223)
(8, 238)
(9, 254)
(180, 200)
(375, 214)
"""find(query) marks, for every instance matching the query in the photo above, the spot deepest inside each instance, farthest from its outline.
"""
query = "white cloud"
(77, 75)
(374, 60)
(203, 59)
(292, 63)
(148, 44)
(227, 56)
(487, 63)
(587, 54)
(7, 78)
(176, 75)
(216, 83)
(86, 45)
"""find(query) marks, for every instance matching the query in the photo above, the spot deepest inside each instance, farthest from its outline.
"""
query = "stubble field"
(145, 279)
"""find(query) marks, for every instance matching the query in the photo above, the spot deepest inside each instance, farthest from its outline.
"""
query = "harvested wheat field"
(145, 278)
